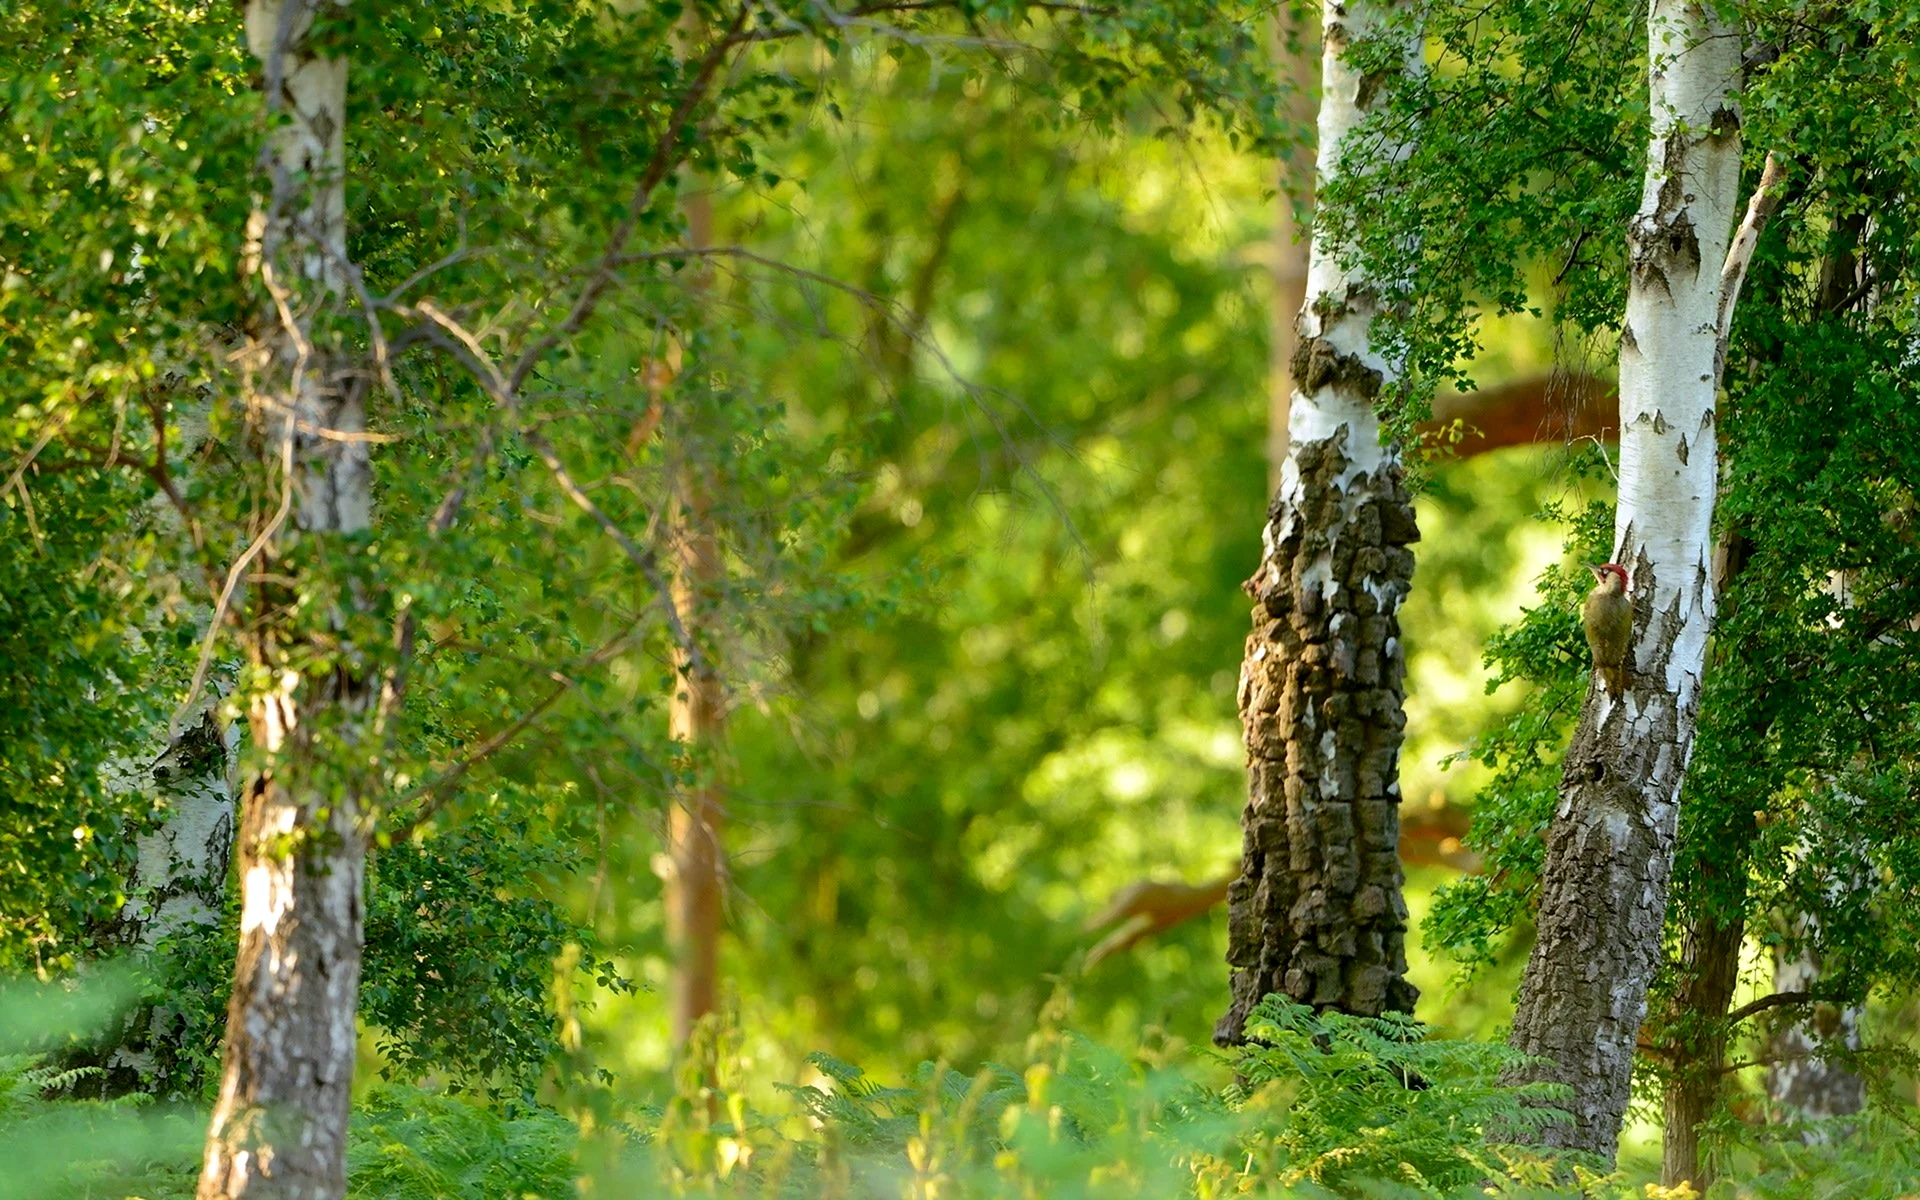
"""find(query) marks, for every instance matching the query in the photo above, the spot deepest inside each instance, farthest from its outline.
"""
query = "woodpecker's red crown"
(1604, 569)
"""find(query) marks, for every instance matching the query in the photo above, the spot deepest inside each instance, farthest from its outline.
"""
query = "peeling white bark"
(1610, 849)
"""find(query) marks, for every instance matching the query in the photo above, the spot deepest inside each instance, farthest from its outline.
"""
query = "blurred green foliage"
(977, 364)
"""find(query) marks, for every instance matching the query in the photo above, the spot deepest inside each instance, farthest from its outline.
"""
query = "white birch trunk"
(178, 882)
(280, 1124)
(1610, 848)
(1804, 1080)
(1317, 912)
(179, 878)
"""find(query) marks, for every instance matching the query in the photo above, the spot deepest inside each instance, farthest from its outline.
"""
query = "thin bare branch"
(1776, 1000)
(1760, 206)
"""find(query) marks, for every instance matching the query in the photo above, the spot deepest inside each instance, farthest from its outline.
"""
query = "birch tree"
(1317, 912)
(1609, 853)
(279, 1126)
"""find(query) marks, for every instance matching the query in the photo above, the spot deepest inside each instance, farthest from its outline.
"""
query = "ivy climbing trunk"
(1609, 852)
(1317, 911)
(279, 1125)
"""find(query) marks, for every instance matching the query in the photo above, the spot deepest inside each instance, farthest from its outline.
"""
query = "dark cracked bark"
(1317, 911)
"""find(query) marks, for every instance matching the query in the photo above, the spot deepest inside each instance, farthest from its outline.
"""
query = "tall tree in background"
(280, 1126)
(697, 716)
(1317, 912)
(1609, 853)
(1293, 58)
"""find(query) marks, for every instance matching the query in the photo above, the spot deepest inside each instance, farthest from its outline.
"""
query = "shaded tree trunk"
(280, 1124)
(1609, 853)
(1317, 911)
(1802, 1081)
(179, 881)
(1710, 970)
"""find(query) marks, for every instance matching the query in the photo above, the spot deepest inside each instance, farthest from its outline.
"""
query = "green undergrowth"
(1318, 1106)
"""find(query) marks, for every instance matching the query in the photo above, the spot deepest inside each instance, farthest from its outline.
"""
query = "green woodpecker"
(1609, 620)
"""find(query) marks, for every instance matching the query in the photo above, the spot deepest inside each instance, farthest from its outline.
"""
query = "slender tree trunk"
(1317, 911)
(1710, 969)
(1802, 1082)
(1609, 852)
(695, 885)
(1292, 56)
(280, 1124)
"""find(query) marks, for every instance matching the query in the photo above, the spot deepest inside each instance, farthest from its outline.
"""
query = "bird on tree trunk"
(1609, 620)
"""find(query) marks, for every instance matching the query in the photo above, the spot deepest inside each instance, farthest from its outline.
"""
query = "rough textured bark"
(1609, 853)
(1317, 911)
(280, 1124)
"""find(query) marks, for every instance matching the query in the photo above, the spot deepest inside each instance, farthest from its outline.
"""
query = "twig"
(501, 390)
(657, 169)
(233, 579)
(645, 559)
(433, 794)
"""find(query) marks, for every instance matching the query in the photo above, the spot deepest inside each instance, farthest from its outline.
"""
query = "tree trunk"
(179, 881)
(280, 1124)
(1295, 201)
(179, 878)
(697, 721)
(1710, 969)
(1609, 852)
(697, 717)
(1801, 1081)
(1317, 911)
(1805, 1084)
